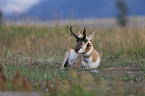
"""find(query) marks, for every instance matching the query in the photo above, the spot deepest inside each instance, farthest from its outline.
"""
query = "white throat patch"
(89, 52)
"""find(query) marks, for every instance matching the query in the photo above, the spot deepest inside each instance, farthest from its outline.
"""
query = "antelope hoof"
(62, 68)
(95, 71)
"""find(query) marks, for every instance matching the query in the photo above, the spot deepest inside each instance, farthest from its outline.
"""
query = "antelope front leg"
(69, 57)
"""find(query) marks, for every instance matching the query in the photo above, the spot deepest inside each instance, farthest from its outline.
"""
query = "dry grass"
(37, 52)
(110, 42)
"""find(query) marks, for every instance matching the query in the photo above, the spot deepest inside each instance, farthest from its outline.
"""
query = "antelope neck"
(89, 52)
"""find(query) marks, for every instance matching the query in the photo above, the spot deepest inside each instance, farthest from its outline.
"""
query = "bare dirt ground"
(18, 94)
(132, 78)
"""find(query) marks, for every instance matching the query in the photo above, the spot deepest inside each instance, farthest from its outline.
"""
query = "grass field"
(30, 60)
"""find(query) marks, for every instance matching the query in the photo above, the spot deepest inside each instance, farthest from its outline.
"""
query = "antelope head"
(83, 42)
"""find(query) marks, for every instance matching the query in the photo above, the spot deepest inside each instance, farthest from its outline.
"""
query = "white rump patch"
(95, 64)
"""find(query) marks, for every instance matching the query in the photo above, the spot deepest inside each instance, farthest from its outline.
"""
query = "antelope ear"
(90, 37)
(80, 34)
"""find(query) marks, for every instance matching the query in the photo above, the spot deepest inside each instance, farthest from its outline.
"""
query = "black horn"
(72, 33)
(84, 32)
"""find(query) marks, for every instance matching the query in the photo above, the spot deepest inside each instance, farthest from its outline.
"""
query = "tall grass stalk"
(110, 42)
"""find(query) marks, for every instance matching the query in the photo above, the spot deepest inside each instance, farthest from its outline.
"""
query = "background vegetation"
(30, 60)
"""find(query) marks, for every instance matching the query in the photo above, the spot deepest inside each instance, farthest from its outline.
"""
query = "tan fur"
(100, 59)
(77, 62)
(88, 47)
(84, 55)
(69, 50)
(83, 43)
(94, 53)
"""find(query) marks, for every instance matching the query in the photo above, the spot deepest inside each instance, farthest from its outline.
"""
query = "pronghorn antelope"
(84, 54)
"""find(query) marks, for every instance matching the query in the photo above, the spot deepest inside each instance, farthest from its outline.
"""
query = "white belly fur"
(89, 63)
(95, 64)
